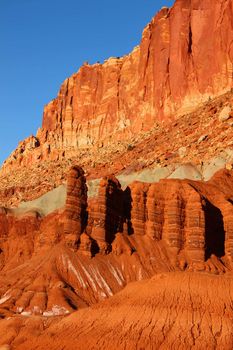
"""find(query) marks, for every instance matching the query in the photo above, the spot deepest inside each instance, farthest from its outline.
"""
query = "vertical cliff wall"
(185, 57)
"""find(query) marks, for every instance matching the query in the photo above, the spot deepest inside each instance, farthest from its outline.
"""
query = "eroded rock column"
(174, 218)
(139, 210)
(227, 211)
(76, 205)
(107, 213)
(195, 228)
(155, 211)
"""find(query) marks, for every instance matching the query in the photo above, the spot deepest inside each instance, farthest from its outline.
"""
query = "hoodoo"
(76, 205)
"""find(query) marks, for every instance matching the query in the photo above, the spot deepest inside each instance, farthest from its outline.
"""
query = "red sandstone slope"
(170, 311)
(167, 74)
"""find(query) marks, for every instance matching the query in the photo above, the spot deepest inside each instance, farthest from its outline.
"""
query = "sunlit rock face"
(184, 58)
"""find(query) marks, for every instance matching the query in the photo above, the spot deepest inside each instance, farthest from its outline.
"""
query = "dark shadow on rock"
(214, 231)
(127, 207)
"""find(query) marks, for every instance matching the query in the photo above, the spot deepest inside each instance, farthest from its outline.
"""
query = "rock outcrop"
(138, 213)
(126, 115)
(76, 205)
(115, 238)
(193, 219)
(167, 75)
(106, 213)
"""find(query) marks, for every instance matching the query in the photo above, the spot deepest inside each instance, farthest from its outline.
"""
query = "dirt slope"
(170, 311)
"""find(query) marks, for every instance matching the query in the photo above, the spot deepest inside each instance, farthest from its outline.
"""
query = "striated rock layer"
(168, 74)
(106, 213)
(117, 237)
(198, 142)
(76, 204)
(179, 230)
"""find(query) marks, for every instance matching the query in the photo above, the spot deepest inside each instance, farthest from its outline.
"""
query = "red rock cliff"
(184, 58)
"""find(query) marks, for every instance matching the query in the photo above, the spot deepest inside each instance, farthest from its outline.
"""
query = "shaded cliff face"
(185, 57)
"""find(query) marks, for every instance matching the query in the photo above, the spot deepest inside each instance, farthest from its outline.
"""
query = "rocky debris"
(25, 149)
(122, 245)
(182, 151)
(76, 205)
(225, 114)
(229, 166)
(202, 138)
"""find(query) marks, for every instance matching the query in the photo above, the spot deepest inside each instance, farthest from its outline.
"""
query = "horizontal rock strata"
(167, 75)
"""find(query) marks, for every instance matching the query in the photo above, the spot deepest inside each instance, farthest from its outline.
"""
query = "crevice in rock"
(190, 42)
(215, 234)
(127, 207)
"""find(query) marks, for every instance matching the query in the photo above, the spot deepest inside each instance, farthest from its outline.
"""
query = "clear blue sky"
(42, 42)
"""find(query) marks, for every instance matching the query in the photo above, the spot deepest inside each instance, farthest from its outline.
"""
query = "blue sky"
(42, 42)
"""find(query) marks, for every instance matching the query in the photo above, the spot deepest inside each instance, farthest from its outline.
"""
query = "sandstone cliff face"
(185, 57)
(193, 220)
(168, 73)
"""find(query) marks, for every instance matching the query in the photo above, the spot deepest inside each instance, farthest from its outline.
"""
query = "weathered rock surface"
(169, 311)
(153, 156)
(192, 218)
(76, 205)
(161, 111)
(168, 73)
(166, 76)
(118, 237)
(106, 213)
(138, 215)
